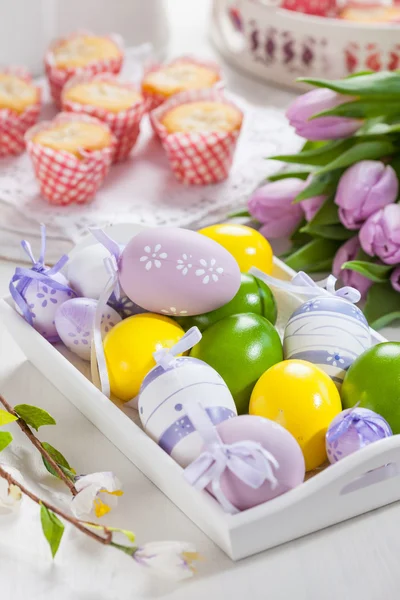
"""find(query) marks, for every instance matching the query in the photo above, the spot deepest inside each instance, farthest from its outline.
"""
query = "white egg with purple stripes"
(329, 332)
(164, 395)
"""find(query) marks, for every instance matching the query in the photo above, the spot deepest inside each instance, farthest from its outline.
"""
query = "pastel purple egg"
(43, 302)
(178, 272)
(353, 429)
(279, 442)
(75, 320)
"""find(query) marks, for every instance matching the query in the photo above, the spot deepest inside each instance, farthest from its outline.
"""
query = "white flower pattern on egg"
(153, 257)
(335, 358)
(184, 264)
(172, 310)
(209, 272)
(311, 304)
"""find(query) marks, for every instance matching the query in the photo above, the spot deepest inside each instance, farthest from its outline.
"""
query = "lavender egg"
(43, 302)
(352, 429)
(178, 272)
(75, 320)
(276, 440)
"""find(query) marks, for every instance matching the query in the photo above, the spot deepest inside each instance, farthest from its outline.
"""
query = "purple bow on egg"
(165, 356)
(358, 421)
(23, 276)
(247, 460)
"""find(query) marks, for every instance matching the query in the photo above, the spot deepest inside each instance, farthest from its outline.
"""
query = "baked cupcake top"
(82, 50)
(16, 94)
(179, 77)
(74, 136)
(202, 116)
(371, 14)
(110, 95)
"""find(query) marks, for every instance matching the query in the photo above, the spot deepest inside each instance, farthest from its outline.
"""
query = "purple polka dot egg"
(353, 429)
(177, 272)
(74, 321)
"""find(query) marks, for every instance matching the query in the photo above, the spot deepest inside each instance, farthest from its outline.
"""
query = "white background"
(355, 560)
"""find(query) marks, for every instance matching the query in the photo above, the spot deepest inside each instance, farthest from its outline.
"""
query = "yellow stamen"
(100, 508)
(190, 557)
(116, 493)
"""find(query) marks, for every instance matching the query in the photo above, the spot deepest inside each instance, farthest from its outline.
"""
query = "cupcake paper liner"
(125, 125)
(156, 100)
(196, 158)
(57, 78)
(14, 125)
(63, 178)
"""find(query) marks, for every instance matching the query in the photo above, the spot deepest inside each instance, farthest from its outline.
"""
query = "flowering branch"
(38, 445)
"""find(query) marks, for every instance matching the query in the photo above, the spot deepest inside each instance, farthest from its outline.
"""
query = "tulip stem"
(70, 519)
(38, 445)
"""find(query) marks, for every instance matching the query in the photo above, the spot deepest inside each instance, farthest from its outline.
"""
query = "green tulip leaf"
(319, 156)
(330, 232)
(289, 175)
(239, 213)
(34, 416)
(6, 417)
(366, 150)
(52, 527)
(5, 439)
(328, 214)
(320, 185)
(360, 109)
(313, 145)
(370, 270)
(384, 85)
(60, 460)
(382, 306)
(314, 257)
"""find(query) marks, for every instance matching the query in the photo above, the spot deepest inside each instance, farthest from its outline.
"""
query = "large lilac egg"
(75, 320)
(276, 440)
(178, 272)
(352, 429)
(43, 301)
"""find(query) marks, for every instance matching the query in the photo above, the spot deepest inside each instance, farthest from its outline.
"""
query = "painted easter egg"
(163, 396)
(129, 349)
(43, 301)
(329, 332)
(74, 322)
(303, 399)
(353, 429)
(178, 272)
(276, 440)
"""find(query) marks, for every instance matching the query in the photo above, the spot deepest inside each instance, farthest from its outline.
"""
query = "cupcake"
(81, 53)
(20, 103)
(199, 131)
(181, 75)
(117, 103)
(71, 156)
(371, 14)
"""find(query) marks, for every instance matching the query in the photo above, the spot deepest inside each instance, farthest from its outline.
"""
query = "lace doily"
(143, 189)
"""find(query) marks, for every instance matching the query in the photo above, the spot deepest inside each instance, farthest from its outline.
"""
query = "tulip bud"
(395, 279)
(306, 106)
(380, 234)
(311, 206)
(347, 252)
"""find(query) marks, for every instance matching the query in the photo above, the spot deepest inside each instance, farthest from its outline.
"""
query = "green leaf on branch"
(330, 232)
(53, 528)
(382, 306)
(289, 175)
(365, 150)
(60, 460)
(314, 257)
(382, 85)
(370, 270)
(6, 417)
(34, 416)
(319, 156)
(320, 185)
(5, 439)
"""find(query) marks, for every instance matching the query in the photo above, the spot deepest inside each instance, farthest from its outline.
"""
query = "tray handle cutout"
(371, 477)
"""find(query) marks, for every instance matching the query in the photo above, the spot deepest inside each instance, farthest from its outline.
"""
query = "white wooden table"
(357, 560)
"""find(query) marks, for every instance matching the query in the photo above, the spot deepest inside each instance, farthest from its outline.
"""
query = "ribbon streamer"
(352, 419)
(303, 285)
(166, 356)
(247, 460)
(23, 276)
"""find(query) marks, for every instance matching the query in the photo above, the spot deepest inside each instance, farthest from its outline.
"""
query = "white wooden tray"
(361, 482)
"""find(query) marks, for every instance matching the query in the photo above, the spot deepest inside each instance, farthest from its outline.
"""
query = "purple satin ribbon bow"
(23, 276)
(303, 285)
(165, 356)
(247, 460)
(352, 419)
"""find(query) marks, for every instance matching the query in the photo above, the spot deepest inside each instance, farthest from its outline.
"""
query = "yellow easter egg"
(247, 245)
(303, 399)
(129, 349)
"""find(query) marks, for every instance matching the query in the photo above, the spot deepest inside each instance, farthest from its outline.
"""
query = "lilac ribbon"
(23, 275)
(166, 356)
(352, 419)
(303, 285)
(247, 460)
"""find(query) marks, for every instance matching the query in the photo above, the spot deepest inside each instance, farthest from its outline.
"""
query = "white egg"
(86, 271)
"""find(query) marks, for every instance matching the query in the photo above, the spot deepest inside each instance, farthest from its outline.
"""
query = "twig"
(75, 522)
(36, 442)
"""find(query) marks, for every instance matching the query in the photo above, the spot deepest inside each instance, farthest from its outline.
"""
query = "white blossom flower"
(311, 304)
(152, 257)
(184, 264)
(97, 493)
(209, 272)
(335, 358)
(10, 494)
(171, 560)
(172, 310)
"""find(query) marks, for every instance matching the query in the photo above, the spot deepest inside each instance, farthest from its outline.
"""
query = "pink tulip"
(395, 279)
(348, 252)
(311, 206)
(380, 234)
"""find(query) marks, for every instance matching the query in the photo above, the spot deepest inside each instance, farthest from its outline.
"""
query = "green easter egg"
(240, 348)
(253, 296)
(373, 380)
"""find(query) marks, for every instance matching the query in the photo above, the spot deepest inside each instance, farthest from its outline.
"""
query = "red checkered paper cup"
(321, 8)
(13, 125)
(196, 158)
(57, 77)
(63, 178)
(156, 100)
(125, 125)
